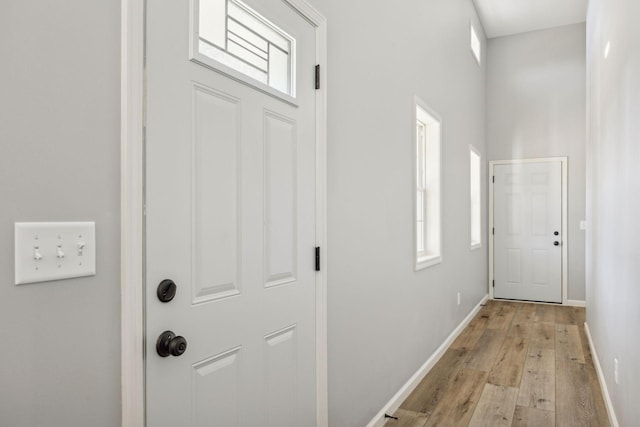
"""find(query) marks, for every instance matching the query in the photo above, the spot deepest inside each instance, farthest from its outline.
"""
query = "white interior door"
(230, 216)
(527, 249)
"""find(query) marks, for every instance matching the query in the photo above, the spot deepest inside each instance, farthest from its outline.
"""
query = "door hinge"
(494, 283)
(317, 258)
(493, 231)
(317, 76)
(493, 179)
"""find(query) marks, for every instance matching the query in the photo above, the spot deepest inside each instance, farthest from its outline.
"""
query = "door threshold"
(527, 301)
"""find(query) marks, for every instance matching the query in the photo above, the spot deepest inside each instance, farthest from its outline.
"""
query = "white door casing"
(132, 245)
(527, 208)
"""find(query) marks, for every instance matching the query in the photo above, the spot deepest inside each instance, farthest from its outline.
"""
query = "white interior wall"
(536, 103)
(613, 205)
(385, 319)
(59, 161)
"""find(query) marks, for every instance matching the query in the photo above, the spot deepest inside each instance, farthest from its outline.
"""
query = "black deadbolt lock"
(556, 243)
(166, 290)
(555, 233)
(169, 344)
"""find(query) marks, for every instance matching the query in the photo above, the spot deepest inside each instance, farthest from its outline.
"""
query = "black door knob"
(169, 344)
(166, 290)
(555, 233)
(556, 243)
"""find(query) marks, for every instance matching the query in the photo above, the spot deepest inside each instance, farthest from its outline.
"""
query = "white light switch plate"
(47, 251)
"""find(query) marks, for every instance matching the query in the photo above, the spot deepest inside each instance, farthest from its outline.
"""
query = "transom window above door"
(231, 37)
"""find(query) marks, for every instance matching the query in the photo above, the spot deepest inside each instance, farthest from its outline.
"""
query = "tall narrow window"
(427, 136)
(475, 173)
(475, 43)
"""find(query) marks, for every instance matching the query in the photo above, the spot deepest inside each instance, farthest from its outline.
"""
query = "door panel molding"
(216, 186)
(132, 210)
(564, 166)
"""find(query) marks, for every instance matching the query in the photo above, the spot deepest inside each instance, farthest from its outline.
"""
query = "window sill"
(427, 261)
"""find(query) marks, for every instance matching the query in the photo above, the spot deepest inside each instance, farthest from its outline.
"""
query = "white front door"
(230, 216)
(527, 222)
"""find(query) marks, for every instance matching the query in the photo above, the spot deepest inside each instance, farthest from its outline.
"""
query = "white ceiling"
(506, 17)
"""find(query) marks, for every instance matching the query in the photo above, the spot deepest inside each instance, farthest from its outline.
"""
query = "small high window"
(427, 137)
(475, 193)
(476, 46)
(232, 34)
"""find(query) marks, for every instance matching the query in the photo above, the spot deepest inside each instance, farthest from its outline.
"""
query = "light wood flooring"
(515, 364)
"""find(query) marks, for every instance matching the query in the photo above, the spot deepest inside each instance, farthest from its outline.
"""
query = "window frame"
(423, 260)
(473, 33)
(475, 244)
(206, 61)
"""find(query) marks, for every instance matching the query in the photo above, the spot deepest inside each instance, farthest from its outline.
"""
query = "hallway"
(382, 189)
(515, 364)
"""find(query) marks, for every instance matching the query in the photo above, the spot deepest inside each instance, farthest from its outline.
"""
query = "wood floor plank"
(543, 335)
(429, 392)
(492, 304)
(522, 321)
(502, 317)
(574, 404)
(531, 417)
(568, 344)
(496, 407)
(486, 311)
(570, 315)
(558, 384)
(470, 335)
(545, 313)
(407, 419)
(509, 365)
(528, 306)
(482, 357)
(565, 315)
(460, 400)
(517, 305)
(537, 388)
(594, 383)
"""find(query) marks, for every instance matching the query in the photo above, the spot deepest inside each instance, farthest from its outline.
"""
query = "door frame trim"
(565, 243)
(132, 115)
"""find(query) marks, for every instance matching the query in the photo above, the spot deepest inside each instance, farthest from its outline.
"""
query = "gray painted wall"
(385, 319)
(59, 115)
(536, 103)
(59, 161)
(613, 205)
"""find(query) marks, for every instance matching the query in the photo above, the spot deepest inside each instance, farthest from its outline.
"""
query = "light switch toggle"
(36, 253)
(81, 246)
(59, 252)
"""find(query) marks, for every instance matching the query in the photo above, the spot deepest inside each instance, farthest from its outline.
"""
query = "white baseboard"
(603, 384)
(404, 392)
(576, 303)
